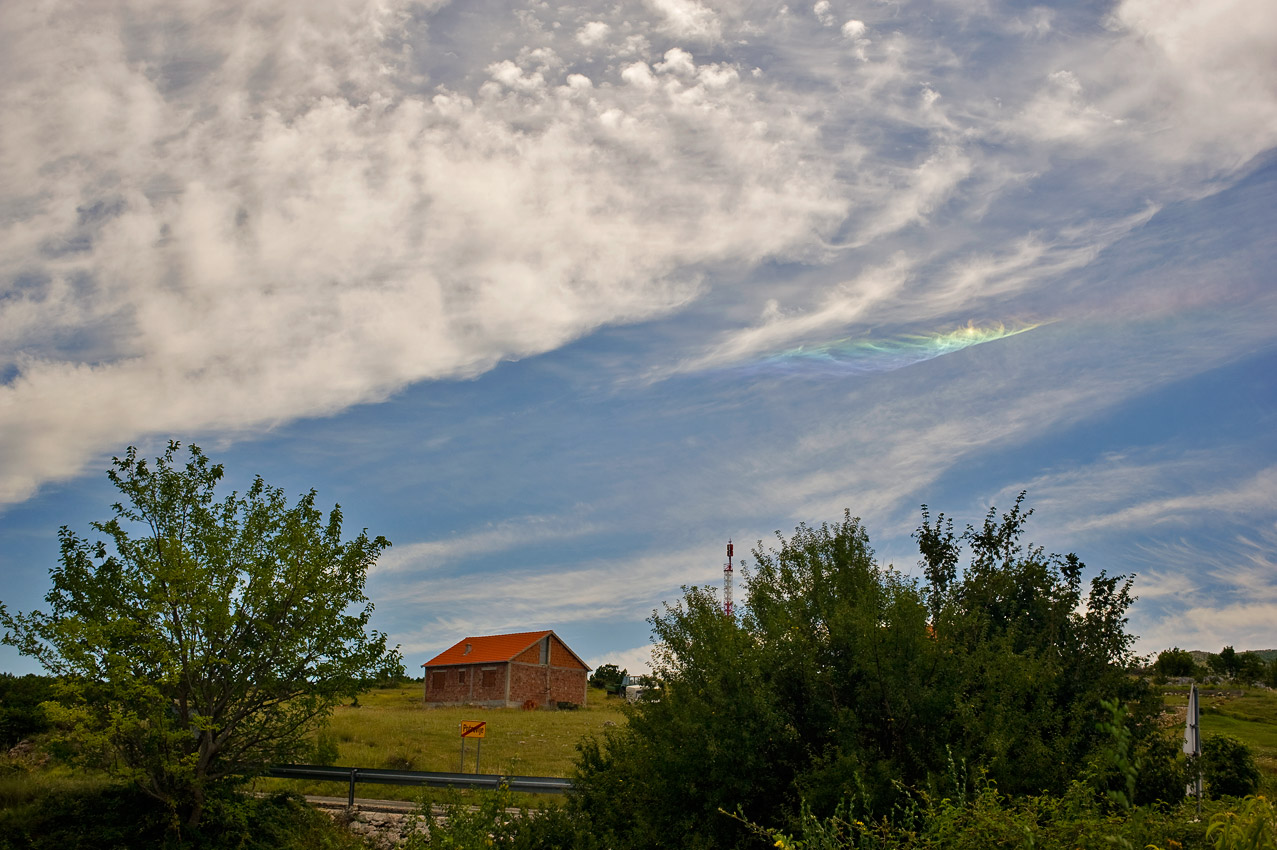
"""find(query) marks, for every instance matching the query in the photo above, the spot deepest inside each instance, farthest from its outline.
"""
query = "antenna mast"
(727, 581)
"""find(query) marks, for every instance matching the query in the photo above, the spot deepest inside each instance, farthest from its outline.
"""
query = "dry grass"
(392, 728)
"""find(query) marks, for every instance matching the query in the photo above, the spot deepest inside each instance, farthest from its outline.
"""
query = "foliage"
(491, 821)
(1228, 767)
(1175, 662)
(1119, 753)
(608, 677)
(841, 676)
(116, 816)
(1226, 663)
(1251, 667)
(1252, 828)
(1073, 821)
(209, 637)
(325, 749)
(1163, 772)
(20, 713)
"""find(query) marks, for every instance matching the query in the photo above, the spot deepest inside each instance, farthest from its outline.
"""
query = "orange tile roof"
(487, 649)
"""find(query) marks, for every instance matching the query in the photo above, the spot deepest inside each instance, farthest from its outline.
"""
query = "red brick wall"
(494, 675)
(471, 690)
(568, 685)
(561, 657)
(452, 688)
(531, 655)
(529, 681)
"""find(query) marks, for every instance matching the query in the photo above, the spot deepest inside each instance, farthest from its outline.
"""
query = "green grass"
(392, 728)
(20, 788)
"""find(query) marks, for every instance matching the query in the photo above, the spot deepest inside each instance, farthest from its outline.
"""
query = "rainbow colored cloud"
(858, 356)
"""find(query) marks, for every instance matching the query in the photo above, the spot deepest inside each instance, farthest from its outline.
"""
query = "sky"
(562, 297)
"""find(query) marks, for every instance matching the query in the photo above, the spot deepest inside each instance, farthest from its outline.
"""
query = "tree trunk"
(197, 805)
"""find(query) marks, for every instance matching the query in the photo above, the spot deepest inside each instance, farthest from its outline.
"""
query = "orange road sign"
(473, 728)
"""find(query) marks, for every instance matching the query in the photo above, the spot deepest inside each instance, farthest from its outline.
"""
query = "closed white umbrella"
(1193, 746)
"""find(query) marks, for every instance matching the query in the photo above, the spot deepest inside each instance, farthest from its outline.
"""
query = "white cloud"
(1206, 92)
(593, 34)
(473, 603)
(1147, 493)
(1208, 596)
(283, 231)
(688, 19)
(502, 537)
(218, 218)
(636, 661)
(677, 61)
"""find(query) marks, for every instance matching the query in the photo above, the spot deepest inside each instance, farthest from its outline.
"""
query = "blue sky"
(559, 298)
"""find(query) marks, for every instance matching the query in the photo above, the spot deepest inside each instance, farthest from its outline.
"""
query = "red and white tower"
(727, 581)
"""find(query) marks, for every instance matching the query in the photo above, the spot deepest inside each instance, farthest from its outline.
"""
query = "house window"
(436, 681)
(461, 677)
(489, 678)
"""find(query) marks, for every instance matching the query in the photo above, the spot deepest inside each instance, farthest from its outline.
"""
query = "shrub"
(119, 816)
(489, 819)
(1228, 767)
(325, 751)
(20, 713)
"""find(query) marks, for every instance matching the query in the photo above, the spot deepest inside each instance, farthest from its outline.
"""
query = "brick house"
(514, 670)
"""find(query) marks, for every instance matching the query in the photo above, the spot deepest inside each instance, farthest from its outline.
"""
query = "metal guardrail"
(377, 776)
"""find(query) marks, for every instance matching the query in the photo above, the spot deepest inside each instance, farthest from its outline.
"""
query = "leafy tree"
(607, 676)
(21, 714)
(1175, 662)
(1226, 663)
(208, 638)
(1251, 667)
(842, 677)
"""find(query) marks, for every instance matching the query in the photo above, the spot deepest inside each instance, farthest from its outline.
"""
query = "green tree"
(1175, 662)
(1226, 663)
(607, 676)
(843, 677)
(1251, 667)
(21, 714)
(207, 638)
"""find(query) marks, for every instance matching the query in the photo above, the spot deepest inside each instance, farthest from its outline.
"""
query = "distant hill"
(1199, 655)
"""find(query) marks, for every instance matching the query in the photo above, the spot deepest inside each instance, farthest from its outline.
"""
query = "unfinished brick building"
(530, 669)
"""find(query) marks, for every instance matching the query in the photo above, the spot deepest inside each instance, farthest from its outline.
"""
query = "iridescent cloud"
(866, 355)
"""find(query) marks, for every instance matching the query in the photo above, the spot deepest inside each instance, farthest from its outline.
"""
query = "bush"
(1163, 773)
(20, 713)
(1228, 767)
(489, 820)
(989, 820)
(118, 816)
(325, 751)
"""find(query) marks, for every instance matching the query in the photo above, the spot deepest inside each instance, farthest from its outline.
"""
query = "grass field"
(392, 728)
